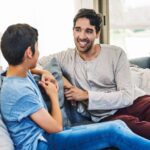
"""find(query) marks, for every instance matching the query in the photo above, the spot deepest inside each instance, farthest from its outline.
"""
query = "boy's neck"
(19, 70)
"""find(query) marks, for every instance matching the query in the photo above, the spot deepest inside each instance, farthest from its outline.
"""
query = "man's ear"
(28, 52)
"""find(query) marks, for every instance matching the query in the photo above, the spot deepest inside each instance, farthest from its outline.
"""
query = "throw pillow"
(5, 140)
(54, 68)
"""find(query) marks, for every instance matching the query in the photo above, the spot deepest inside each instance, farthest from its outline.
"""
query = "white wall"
(53, 19)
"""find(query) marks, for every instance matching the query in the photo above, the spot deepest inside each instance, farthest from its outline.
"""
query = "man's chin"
(81, 49)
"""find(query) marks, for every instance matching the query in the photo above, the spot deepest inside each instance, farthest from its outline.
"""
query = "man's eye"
(89, 31)
(77, 29)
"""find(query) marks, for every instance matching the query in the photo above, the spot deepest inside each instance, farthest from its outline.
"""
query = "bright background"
(53, 19)
(130, 26)
(129, 23)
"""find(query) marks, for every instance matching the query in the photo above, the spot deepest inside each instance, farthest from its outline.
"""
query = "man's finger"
(68, 95)
(69, 98)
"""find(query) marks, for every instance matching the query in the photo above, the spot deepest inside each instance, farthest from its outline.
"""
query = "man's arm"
(123, 96)
(66, 83)
(108, 100)
(74, 93)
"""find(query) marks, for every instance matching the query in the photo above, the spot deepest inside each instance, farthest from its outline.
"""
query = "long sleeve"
(117, 98)
(106, 78)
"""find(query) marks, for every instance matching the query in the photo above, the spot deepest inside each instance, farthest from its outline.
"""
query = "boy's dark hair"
(94, 18)
(15, 40)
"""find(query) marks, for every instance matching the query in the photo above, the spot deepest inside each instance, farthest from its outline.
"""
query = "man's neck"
(19, 71)
(91, 54)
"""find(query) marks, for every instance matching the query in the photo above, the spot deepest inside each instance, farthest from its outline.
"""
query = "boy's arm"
(50, 123)
(45, 75)
(40, 72)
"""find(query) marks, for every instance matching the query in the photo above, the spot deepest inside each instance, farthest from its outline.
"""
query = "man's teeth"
(83, 43)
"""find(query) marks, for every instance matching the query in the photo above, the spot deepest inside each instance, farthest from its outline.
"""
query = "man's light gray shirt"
(107, 79)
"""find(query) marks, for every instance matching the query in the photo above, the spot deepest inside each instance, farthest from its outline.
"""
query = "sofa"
(140, 73)
(143, 62)
(5, 140)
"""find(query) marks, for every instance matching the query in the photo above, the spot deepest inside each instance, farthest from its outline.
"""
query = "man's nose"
(82, 35)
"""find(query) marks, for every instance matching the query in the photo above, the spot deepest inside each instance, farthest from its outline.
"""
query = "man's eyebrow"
(85, 29)
(89, 29)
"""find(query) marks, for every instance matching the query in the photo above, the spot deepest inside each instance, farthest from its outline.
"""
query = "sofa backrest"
(143, 62)
(5, 140)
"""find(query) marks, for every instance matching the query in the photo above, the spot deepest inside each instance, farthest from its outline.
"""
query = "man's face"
(84, 35)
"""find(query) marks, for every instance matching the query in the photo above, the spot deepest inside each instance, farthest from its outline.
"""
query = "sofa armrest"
(143, 62)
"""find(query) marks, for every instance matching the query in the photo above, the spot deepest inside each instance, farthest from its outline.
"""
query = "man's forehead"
(84, 23)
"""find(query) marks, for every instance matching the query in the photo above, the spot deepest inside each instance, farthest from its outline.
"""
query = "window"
(53, 19)
(130, 26)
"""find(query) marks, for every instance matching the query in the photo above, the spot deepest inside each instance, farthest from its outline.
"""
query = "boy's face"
(84, 35)
(35, 56)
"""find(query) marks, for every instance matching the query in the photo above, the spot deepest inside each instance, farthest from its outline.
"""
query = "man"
(102, 87)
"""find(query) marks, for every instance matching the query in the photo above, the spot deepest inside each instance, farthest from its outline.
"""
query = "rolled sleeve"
(26, 106)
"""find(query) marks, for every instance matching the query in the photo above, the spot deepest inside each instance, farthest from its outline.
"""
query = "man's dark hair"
(15, 40)
(94, 18)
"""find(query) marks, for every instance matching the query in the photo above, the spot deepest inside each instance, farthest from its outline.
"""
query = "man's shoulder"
(113, 48)
(67, 52)
(59, 56)
(113, 51)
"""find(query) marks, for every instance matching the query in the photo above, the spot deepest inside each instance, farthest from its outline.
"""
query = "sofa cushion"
(143, 62)
(54, 68)
(5, 140)
(141, 78)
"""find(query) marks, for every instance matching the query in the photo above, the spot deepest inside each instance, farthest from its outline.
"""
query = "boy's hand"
(47, 76)
(50, 88)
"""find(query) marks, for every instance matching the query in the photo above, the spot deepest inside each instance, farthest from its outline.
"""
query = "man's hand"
(74, 93)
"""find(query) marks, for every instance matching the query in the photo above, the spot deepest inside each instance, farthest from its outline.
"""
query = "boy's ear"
(98, 34)
(28, 52)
